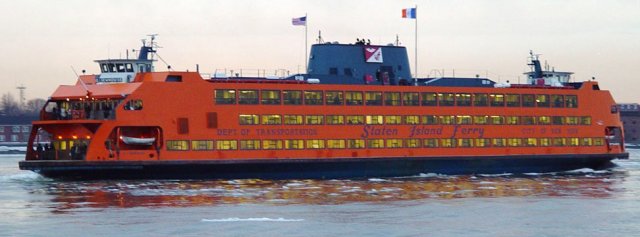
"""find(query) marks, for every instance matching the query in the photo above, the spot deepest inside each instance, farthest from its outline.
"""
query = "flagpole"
(415, 79)
(306, 58)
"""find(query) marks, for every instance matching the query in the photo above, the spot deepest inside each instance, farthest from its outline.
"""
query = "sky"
(42, 40)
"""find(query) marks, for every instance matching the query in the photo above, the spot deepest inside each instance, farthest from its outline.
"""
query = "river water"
(576, 203)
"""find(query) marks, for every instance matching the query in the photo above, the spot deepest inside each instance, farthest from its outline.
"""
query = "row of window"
(16, 128)
(295, 97)
(276, 119)
(204, 145)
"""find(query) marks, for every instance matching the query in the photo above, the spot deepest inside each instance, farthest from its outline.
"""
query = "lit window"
(465, 142)
(355, 143)
(499, 142)
(497, 100)
(392, 98)
(394, 143)
(336, 144)
(179, 145)
(574, 141)
(374, 119)
(201, 145)
(513, 100)
(334, 98)
(463, 99)
(293, 119)
(429, 99)
(292, 97)
(480, 119)
(225, 96)
(315, 144)
(446, 99)
(248, 119)
(411, 99)
(430, 142)
(587, 141)
(571, 120)
(271, 119)
(393, 119)
(430, 119)
(354, 97)
(313, 97)
(271, 144)
(412, 119)
(447, 142)
(373, 98)
(294, 144)
(497, 120)
(270, 97)
(249, 144)
(226, 144)
(544, 120)
(559, 141)
(412, 143)
(463, 119)
(571, 101)
(375, 143)
(514, 142)
(542, 100)
(133, 105)
(481, 142)
(480, 100)
(314, 119)
(598, 141)
(531, 142)
(335, 119)
(355, 119)
(512, 120)
(584, 120)
(446, 119)
(248, 97)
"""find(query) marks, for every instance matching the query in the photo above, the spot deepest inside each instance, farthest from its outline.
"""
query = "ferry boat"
(357, 112)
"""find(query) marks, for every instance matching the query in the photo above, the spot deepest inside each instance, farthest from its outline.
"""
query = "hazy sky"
(41, 39)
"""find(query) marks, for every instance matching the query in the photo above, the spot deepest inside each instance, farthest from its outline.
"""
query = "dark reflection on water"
(68, 196)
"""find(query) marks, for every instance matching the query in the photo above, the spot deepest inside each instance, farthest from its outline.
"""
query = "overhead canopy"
(95, 91)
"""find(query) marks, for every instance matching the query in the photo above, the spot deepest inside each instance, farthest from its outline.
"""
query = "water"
(577, 203)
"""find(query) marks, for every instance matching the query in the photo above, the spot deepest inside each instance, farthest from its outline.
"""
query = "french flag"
(409, 13)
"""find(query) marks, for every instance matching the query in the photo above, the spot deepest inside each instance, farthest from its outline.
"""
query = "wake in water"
(261, 219)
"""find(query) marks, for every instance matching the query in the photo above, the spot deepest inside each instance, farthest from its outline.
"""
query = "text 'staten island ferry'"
(357, 112)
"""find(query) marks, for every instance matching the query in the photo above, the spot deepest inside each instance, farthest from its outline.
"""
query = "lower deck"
(317, 168)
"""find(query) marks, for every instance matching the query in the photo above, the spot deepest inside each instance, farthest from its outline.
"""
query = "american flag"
(300, 21)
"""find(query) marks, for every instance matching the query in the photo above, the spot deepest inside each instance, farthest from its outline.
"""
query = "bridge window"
(133, 105)
(334, 98)
(225, 96)
(480, 100)
(112, 67)
(429, 99)
(497, 100)
(528, 100)
(248, 97)
(411, 99)
(513, 100)
(463, 99)
(104, 67)
(571, 101)
(392, 98)
(542, 100)
(249, 144)
(128, 67)
(355, 119)
(292, 97)
(270, 97)
(313, 97)
(373, 98)
(120, 67)
(354, 97)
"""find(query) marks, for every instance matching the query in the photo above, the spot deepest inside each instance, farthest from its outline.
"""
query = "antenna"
(22, 88)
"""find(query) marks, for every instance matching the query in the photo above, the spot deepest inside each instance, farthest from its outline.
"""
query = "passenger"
(73, 152)
(39, 151)
(87, 111)
(56, 113)
(63, 114)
